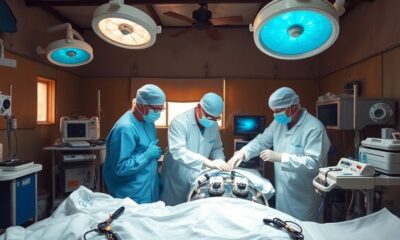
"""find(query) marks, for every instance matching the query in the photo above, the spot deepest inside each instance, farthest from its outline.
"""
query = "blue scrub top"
(127, 171)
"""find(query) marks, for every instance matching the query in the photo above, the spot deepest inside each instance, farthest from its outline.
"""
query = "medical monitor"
(83, 129)
(248, 125)
(337, 113)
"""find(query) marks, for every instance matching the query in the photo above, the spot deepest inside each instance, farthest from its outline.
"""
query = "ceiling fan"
(202, 19)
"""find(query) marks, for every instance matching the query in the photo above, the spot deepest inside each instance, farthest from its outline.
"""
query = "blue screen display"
(249, 125)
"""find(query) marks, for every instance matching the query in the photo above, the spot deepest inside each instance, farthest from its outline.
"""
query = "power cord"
(293, 229)
(105, 227)
(332, 169)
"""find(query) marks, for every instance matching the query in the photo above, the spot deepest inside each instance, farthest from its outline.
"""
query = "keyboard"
(78, 144)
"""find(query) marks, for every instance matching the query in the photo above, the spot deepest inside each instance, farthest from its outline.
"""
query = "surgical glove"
(269, 155)
(236, 159)
(217, 164)
(153, 152)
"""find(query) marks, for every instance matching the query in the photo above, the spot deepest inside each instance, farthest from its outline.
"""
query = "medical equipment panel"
(383, 154)
(75, 175)
(5, 105)
(337, 113)
(225, 184)
(347, 174)
(251, 163)
(81, 129)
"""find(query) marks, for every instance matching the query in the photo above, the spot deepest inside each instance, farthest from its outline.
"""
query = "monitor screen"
(76, 130)
(327, 114)
(248, 124)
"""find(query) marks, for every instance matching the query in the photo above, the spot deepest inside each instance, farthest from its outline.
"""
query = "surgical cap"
(212, 103)
(284, 97)
(150, 94)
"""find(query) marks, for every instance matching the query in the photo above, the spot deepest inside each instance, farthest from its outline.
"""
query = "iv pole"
(368, 193)
(11, 126)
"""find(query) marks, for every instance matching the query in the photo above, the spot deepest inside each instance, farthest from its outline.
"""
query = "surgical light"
(68, 52)
(124, 26)
(296, 29)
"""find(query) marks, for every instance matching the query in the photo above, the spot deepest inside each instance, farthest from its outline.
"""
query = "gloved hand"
(269, 155)
(217, 164)
(236, 159)
(153, 151)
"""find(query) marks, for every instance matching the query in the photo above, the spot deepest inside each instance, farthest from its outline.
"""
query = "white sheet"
(212, 218)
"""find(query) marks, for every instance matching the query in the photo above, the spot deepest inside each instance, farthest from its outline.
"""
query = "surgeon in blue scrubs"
(130, 168)
(297, 143)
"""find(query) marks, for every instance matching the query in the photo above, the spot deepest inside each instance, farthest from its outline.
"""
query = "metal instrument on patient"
(105, 227)
(225, 184)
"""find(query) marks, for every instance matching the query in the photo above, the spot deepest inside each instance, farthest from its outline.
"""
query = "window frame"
(167, 105)
(51, 100)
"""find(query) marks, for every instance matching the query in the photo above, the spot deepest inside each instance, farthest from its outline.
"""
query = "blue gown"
(126, 170)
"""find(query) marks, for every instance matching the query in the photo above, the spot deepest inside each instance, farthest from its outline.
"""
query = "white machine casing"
(5, 105)
(86, 129)
(337, 113)
(346, 175)
(383, 154)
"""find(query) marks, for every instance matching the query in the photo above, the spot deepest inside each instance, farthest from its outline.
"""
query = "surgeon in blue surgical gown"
(298, 145)
(194, 143)
(130, 167)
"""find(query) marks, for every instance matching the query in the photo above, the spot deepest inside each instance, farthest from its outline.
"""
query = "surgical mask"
(282, 118)
(205, 122)
(152, 116)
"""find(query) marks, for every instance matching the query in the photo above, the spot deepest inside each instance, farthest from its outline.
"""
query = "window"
(45, 101)
(173, 109)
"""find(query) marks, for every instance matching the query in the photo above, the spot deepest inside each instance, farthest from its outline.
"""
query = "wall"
(370, 29)
(193, 55)
(391, 78)
(30, 137)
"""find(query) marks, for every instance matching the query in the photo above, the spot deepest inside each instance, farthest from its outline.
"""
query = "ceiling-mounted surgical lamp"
(124, 26)
(68, 52)
(296, 29)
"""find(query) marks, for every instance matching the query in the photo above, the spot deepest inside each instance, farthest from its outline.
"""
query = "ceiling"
(79, 12)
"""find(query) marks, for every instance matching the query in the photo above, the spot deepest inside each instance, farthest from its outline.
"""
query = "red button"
(358, 166)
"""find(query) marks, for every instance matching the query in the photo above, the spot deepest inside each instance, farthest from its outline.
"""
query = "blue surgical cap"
(212, 103)
(284, 97)
(150, 94)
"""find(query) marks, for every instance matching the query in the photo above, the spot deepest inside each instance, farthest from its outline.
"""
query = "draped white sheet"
(212, 218)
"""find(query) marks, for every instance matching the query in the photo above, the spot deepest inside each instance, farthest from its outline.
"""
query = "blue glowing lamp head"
(69, 53)
(291, 29)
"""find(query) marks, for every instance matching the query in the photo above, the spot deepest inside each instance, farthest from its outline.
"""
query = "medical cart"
(18, 198)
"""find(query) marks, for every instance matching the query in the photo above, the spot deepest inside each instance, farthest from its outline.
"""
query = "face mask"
(152, 116)
(205, 122)
(282, 118)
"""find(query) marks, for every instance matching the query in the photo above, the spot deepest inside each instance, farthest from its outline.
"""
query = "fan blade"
(181, 32)
(179, 16)
(226, 20)
(213, 33)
